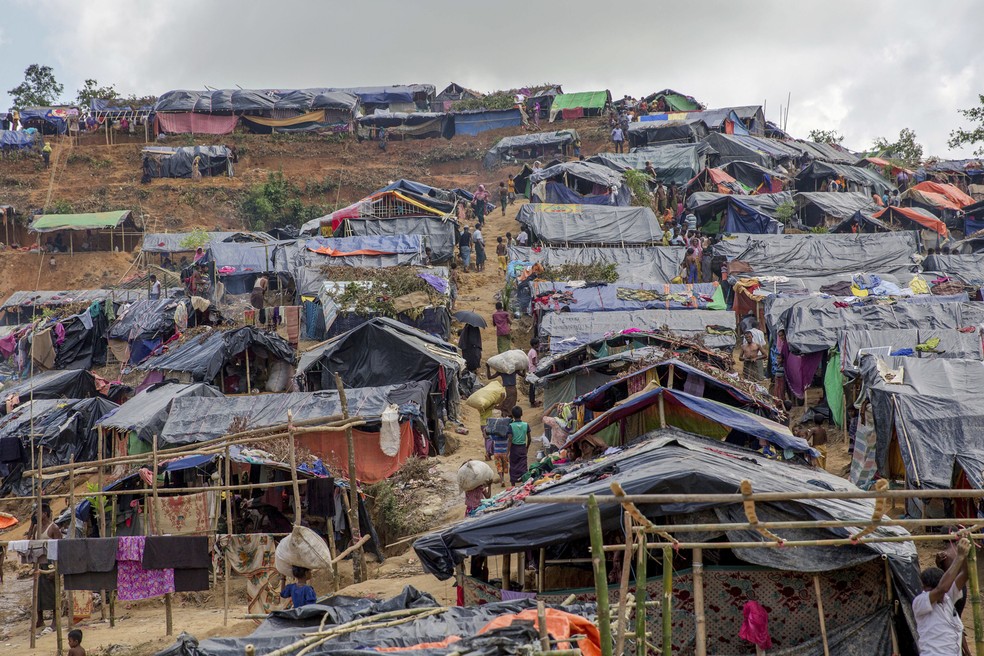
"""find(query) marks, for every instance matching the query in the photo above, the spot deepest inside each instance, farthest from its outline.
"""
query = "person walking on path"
(618, 139)
(500, 255)
(503, 197)
(479, 201)
(503, 328)
(46, 154)
(464, 248)
(479, 242)
(508, 382)
(519, 448)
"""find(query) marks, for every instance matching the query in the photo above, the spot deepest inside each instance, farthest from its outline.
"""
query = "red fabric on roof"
(930, 223)
(189, 122)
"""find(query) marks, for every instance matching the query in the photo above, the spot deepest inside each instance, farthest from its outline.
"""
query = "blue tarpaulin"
(743, 218)
(17, 138)
(472, 123)
(561, 194)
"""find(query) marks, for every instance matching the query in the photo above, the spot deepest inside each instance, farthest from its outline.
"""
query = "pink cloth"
(133, 581)
(755, 628)
(800, 370)
(8, 345)
(59, 334)
(196, 123)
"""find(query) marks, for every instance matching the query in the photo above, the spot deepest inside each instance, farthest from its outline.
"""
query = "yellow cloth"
(919, 286)
(857, 291)
(822, 460)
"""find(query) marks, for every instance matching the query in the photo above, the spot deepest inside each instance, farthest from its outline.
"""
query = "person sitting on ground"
(752, 357)
(818, 439)
(938, 625)
(299, 593)
(75, 643)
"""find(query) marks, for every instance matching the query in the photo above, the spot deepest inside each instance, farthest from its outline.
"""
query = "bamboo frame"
(600, 576)
(358, 559)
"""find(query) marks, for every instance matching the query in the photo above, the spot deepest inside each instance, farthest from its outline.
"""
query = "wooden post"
(623, 588)
(102, 507)
(667, 608)
(671, 376)
(168, 617)
(600, 576)
(975, 600)
(823, 620)
(358, 560)
(71, 529)
(642, 558)
(700, 619)
(229, 532)
(35, 614)
(506, 571)
(521, 570)
(541, 620)
(332, 549)
(249, 385)
(662, 411)
(891, 604)
(541, 574)
(57, 612)
(293, 468)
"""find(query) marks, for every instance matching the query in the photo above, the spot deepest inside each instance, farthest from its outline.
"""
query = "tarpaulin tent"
(715, 180)
(397, 94)
(423, 311)
(885, 167)
(179, 242)
(673, 101)
(18, 139)
(68, 384)
(348, 246)
(471, 123)
(195, 123)
(93, 221)
(935, 422)
(549, 296)
(644, 133)
(48, 120)
(308, 100)
(582, 103)
(935, 194)
(727, 213)
(590, 224)
(565, 330)
(674, 163)
(239, 264)
(215, 100)
(407, 237)
(26, 306)
(824, 152)
(817, 255)
(748, 148)
(718, 120)
(202, 357)
(826, 208)
(655, 264)
(591, 373)
(419, 125)
(305, 265)
(750, 119)
(164, 162)
(318, 120)
(580, 183)
(968, 267)
(891, 218)
(143, 416)
(759, 179)
(861, 179)
(530, 147)
(952, 344)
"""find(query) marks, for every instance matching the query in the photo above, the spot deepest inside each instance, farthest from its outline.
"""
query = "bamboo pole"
(358, 560)
(975, 599)
(763, 496)
(345, 554)
(506, 571)
(541, 573)
(823, 619)
(662, 411)
(35, 613)
(56, 613)
(155, 518)
(71, 533)
(700, 618)
(642, 558)
(891, 605)
(332, 549)
(293, 470)
(600, 576)
(541, 619)
(229, 532)
(623, 588)
(667, 608)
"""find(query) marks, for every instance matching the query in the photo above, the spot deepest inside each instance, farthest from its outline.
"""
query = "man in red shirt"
(503, 328)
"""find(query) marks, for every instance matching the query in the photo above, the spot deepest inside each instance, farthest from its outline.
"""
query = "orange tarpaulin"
(953, 194)
(911, 213)
(560, 625)
(334, 252)
(371, 464)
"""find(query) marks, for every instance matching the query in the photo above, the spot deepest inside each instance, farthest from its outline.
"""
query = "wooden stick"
(600, 576)
(155, 518)
(229, 533)
(332, 549)
(35, 613)
(667, 607)
(293, 470)
(642, 558)
(506, 571)
(57, 611)
(764, 496)
(700, 619)
(541, 574)
(358, 562)
(623, 588)
(891, 605)
(975, 599)
(541, 620)
(342, 556)
(71, 532)
(823, 620)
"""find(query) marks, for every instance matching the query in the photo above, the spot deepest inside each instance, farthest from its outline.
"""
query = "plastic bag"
(302, 548)
(488, 397)
(509, 362)
(474, 474)
(389, 432)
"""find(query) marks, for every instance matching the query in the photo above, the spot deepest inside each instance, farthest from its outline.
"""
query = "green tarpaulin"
(833, 385)
(51, 222)
(594, 101)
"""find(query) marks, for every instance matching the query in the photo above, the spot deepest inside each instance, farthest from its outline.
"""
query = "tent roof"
(146, 412)
(859, 175)
(957, 199)
(47, 298)
(763, 203)
(567, 330)
(674, 163)
(917, 215)
(591, 224)
(838, 204)
(66, 384)
(677, 101)
(656, 264)
(967, 267)
(586, 99)
(596, 173)
(171, 242)
(203, 356)
(94, 221)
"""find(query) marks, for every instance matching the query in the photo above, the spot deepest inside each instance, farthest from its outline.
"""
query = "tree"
(39, 88)
(826, 136)
(975, 136)
(904, 150)
(91, 90)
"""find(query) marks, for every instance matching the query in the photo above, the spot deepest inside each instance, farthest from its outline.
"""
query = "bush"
(59, 206)
(276, 202)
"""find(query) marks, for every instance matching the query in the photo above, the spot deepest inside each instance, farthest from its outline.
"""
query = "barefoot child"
(75, 643)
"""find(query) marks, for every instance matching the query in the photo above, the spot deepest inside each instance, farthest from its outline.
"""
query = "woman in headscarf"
(470, 343)
(480, 199)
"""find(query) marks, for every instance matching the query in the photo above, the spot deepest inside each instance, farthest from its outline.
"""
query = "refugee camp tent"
(67, 384)
(671, 461)
(473, 122)
(182, 242)
(195, 420)
(826, 208)
(579, 183)
(759, 179)
(715, 181)
(164, 162)
(636, 264)
(565, 330)
(134, 424)
(728, 213)
(25, 306)
(891, 218)
(238, 264)
(645, 133)
(825, 152)
(934, 194)
(952, 344)
(550, 296)
(565, 385)
(669, 100)
(455, 91)
(747, 148)
(383, 351)
(401, 125)
(887, 169)
(967, 267)
(539, 145)
(396, 98)
(718, 120)
(858, 178)
(104, 230)
(203, 358)
(142, 327)
(580, 104)
(48, 120)
(674, 163)
(18, 140)
(819, 255)
(590, 224)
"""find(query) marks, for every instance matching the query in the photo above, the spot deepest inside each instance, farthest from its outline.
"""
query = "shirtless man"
(752, 357)
(818, 439)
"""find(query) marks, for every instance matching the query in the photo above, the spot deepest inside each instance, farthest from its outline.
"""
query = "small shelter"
(816, 176)
(730, 213)
(528, 147)
(564, 225)
(473, 122)
(938, 196)
(757, 178)
(581, 183)
(579, 105)
(715, 181)
(401, 125)
(452, 93)
(828, 209)
(768, 153)
(144, 326)
(894, 217)
(102, 231)
(645, 133)
(164, 162)
(674, 163)
(65, 384)
(669, 100)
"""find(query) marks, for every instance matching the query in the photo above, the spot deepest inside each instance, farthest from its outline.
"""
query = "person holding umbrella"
(470, 338)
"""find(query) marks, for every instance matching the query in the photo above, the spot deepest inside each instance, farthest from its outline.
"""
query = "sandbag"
(389, 431)
(474, 474)
(302, 548)
(488, 397)
(279, 378)
(509, 362)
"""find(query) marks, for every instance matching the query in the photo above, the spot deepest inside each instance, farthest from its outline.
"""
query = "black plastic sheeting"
(203, 356)
(151, 319)
(282, 628)
(643, 133)
(809, 178)
(967, 268)
(436, 124)
(590, 224)
(164, 162)
(64, 428)
(936, 413)
(537, 145)
(67, 384)
(146, 413)
(674, 163)
(671, 461)
(751, 174)
(817, 255)
(83, 348)
(656, 264)
(193, 420)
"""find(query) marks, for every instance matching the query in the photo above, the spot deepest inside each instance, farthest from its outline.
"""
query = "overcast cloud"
(867, 69)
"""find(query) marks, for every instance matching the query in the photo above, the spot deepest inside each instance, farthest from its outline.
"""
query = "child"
(500, 253)
(75, 643)
(533, 359)
(511, 189)
(300, 593)
(503, 197)
(499, 440)
(503, 328)
(473, 498)
(818, 439)
(518, 447)
(509, 239)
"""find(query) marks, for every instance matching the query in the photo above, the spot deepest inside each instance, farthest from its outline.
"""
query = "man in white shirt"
(522, 238)
(937, 623)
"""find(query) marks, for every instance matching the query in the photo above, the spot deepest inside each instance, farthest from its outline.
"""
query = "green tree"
(905, 150)
(91, 90)
(39, 88)
(975, 135)
(826, 136)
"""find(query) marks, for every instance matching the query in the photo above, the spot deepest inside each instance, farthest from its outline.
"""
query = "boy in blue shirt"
(300, 593)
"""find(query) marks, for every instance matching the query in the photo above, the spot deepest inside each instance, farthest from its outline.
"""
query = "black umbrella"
(471, 318)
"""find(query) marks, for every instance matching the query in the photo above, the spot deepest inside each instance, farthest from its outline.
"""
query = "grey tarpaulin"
(203, 356)
(201, 419)
(174, 242)
(968, 268)
(937, 416)
(165, 162)
(439, 234)
(254, 100)
(603, 298)
(751, 174)
(44, 298)
(814, 206)
(656, 264)
(764, 203)
(817, 255)
(748, 148)
(146, 413)
(643, 133)
(953, 344)
(674, 163)
(595, 174)
(148, 319)
(304, 265)
(590, 224)
(808, 178)
(777, 306)
(569, 329)
(68, 384)
(529, 146)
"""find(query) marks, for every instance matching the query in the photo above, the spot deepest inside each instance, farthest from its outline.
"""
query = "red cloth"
(574, 112)
(755, 628)
(196, 123)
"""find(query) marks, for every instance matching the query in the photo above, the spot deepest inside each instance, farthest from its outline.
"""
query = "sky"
(866, 68)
